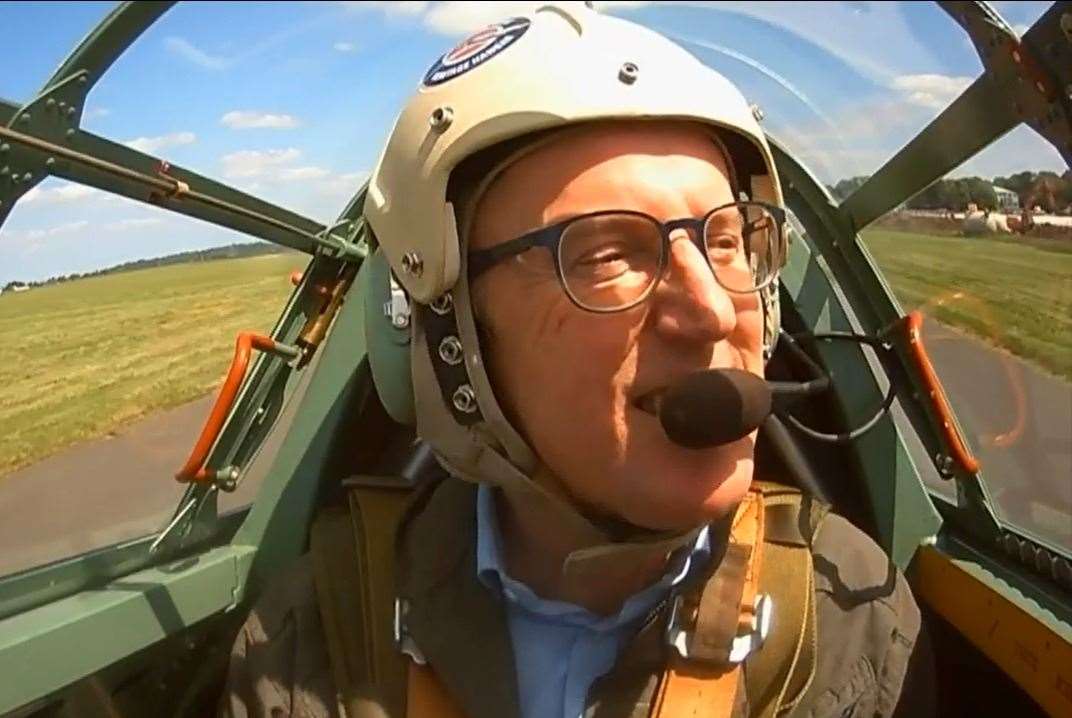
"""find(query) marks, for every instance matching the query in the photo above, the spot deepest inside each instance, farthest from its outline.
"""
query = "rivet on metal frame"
(443, 304)
(464, 399)
(628, 73)
(450, 350)
(413, 264)
(441, 118)
(757, 112)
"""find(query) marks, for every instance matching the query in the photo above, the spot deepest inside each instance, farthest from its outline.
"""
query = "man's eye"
(723, 245)
(603, 256)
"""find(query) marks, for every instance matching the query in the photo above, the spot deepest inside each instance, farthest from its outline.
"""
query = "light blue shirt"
(560, 648)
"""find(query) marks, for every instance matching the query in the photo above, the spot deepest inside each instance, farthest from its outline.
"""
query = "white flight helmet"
(562, 65)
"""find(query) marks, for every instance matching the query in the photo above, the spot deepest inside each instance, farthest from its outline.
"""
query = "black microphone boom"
(714, 407)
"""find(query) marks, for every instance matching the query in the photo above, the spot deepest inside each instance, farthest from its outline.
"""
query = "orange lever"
(193, 469)
(960, 451)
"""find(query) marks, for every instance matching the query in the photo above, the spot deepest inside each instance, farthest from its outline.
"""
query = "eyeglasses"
(611, 260)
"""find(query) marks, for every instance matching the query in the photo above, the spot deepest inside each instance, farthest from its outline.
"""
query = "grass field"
(1013, 294)
(82, 358)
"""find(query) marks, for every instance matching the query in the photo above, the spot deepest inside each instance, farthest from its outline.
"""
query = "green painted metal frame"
(831, 277)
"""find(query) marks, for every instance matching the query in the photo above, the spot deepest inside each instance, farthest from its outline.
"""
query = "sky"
(293, 101)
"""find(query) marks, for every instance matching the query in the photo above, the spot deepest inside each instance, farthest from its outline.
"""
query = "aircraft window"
(118, 321)
(841, 89)
(33, 55)
(286, 105)
(986, 255)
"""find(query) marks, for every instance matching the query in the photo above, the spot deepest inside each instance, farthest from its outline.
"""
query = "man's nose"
(690, 304)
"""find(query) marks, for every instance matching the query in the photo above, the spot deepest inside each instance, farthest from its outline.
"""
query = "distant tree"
(843, 189)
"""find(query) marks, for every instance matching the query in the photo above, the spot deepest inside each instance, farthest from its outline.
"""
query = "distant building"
(1008, 201)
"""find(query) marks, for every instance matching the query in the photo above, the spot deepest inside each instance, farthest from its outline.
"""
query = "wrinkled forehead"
(507, 174)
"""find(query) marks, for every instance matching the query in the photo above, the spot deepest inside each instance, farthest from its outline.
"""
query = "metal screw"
(413, 264)
(441, 118)
(4, 170)
(51, 103)
(450, 350)
(25, 119)
(83, 79)
(4, 148)
(628, 72)
(70, 133)
(757, 112)
(464, 399)
(71, 111)
(50, 162)
(944, 463)
(27, 177)
(443, 304)
(400, 321)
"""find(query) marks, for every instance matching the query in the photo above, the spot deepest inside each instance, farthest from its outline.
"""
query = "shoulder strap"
(706, 680)
(353, 564)
(778, 675)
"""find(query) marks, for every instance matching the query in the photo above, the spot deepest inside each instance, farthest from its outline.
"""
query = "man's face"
(568, 379)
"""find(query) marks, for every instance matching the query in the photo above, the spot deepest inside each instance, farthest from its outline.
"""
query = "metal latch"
(397, 310)
(742, 646)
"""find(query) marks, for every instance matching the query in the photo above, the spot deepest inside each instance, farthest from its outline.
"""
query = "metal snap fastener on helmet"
(450, 350)
(443, 304)
(464, 399)
(628, 73)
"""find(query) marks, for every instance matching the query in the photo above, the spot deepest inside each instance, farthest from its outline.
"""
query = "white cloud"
(123, 225)
(93, 113)
(345, 46)
(152, 145)
(458, 17)
(248, 164)
(248, 119)
(32, 240)
(59, 195)
(1021, 28)
(930, 90)
(299, 174)
(188, 51)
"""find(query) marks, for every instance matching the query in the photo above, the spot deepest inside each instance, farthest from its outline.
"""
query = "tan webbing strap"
(779, 674)
(353, 564)
(698, 686)
(688, 690)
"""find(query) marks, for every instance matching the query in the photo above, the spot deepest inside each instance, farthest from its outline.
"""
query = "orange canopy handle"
(193, 469)
(913, 323)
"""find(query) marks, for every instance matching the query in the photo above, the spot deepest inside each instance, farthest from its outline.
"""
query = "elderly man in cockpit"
(581, 215)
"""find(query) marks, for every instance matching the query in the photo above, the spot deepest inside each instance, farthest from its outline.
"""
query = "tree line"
(230, 251)
(1048, 190)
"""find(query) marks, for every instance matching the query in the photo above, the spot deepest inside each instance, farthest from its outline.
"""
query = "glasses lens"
(610, 261)
(743, 244)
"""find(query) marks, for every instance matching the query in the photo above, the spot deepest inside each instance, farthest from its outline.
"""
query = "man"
(562, 205)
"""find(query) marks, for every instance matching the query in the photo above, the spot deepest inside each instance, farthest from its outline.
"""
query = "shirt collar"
(492, 573)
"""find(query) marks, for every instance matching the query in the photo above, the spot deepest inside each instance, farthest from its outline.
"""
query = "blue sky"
(292, 101)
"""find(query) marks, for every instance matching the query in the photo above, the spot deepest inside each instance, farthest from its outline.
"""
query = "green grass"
(1013, 294)
(82, 358)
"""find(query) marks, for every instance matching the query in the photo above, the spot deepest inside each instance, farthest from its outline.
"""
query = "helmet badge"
(475, 50)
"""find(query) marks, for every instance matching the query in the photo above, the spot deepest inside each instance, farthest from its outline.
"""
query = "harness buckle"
(741, 647)
(403, 641)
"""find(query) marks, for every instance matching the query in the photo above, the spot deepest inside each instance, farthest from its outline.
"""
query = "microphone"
(714, 407)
